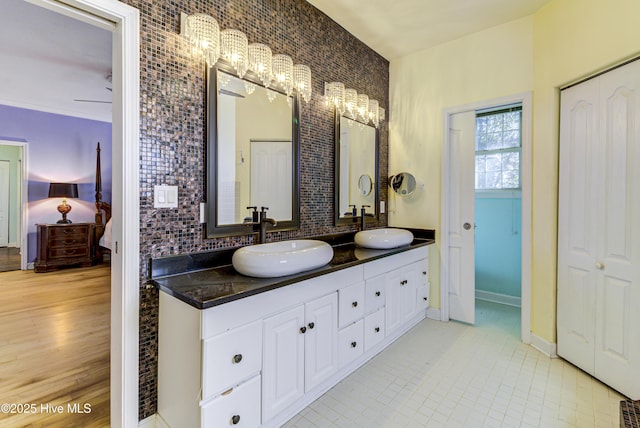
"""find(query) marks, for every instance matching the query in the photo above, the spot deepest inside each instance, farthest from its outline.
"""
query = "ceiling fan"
(108, 88)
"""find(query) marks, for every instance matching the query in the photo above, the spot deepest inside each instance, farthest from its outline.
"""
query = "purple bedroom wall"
(60, 149)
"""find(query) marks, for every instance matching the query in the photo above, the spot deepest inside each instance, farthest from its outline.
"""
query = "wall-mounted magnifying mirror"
(357, 170)
(365, 184)
(252, 153)
(403, 184)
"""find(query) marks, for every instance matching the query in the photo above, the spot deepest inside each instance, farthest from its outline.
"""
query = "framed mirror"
(357, 170)
(252, 153)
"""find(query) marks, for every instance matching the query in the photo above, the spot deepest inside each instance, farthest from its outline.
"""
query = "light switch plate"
(165, 196)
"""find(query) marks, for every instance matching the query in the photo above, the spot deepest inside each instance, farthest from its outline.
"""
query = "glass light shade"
(351, 103)
(260, 62)
(374, 113)
(363, 107)
(302, 81)
(234, 49)
(334, 91)
(381, 114)
(282, 72)
(203, 33)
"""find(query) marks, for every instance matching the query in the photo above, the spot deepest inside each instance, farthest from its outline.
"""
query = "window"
(498, 148)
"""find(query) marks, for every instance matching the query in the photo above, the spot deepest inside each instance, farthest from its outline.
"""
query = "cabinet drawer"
(230, 358)
(60, 253)
(350, 304)
(69, 241)
(66, 231)
(350, 343)
(374, 294)
(238, 407)
(373, 329)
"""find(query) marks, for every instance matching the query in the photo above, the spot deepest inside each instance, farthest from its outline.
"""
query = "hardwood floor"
(9, 258)
(54, 348)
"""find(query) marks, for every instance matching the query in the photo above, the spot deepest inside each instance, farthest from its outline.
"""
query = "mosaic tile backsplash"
(172, 114)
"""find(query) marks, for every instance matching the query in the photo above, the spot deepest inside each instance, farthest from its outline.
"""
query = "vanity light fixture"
(282, 71)
(374, 112)
(260, 62)
(203, 33)
(363, 107)
(334, 93)
(302, 81)
(234, 49)
(351, 103)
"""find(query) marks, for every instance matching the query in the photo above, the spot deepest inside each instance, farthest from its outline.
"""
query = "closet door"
(617, 347)
(577, 223)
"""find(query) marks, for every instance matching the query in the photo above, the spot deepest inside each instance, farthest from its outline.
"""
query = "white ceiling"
(49, 60)
(395, 28)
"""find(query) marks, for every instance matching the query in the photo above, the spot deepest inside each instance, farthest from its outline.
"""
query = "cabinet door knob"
(311, 325)
(354, 304)
(303, 329)
(377, 294)
(237, 358)
(377, 329)
(425, 298)
(599, 265)
(403, 282)
(424, 272)
(354, 344)
(235, 419)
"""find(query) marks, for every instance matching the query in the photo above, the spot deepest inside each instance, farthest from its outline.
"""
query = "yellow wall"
(561, 43)
(486, 65)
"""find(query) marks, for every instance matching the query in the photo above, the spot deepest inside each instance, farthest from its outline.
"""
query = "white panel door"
(461, 266)
(4, 203)
(321, 340)
(617, 356)
(283, 364)
(271, 172)
(577, 224)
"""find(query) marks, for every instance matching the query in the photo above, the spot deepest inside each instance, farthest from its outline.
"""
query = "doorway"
(13, 197)
(458, 220)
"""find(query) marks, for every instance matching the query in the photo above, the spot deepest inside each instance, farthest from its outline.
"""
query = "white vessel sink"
(281, 258)
(383, 238)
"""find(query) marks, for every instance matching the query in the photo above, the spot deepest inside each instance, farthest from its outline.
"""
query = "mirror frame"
(376, 213)
(211, 228)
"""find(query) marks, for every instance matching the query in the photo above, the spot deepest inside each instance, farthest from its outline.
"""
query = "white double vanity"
(258, 359)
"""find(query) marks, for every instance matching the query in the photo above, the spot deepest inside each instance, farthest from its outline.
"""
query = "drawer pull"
(235, 419)
(377, 294)
(354, 344)
(237, 358)
(303, 329)
(311, 325)
(354, 304)
(377, 329)
(424, 272)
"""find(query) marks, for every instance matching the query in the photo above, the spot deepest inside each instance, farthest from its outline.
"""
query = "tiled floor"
(455, 375)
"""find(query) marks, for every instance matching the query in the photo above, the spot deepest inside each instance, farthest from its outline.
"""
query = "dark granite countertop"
(204, 280)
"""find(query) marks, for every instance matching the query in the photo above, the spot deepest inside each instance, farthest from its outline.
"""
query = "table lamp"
(64, 191)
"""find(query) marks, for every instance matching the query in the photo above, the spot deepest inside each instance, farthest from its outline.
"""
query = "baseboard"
(547, 348)
(31, 265)
(498, 298)
(433, 314)
(149, 422)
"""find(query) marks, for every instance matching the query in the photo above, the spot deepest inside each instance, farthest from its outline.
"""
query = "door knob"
(599, 265)
(466, 226)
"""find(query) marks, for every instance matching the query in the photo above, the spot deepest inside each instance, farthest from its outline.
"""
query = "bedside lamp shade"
(64, 191)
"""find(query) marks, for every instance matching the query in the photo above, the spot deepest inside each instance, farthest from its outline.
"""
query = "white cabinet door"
(283, 364)
(321, 340)
(401, 304)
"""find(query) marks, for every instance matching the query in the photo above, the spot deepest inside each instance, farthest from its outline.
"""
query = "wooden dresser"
(65, 245)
